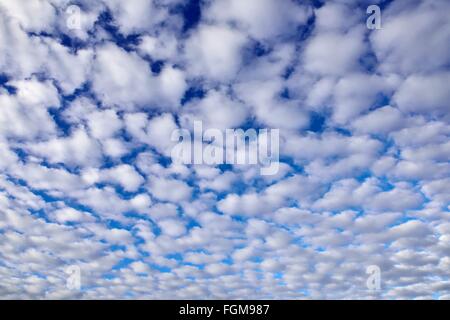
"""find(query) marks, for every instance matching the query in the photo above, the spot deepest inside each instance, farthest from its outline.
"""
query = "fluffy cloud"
(169, 189)
(424, 94)
(125, 80)
(262, 19)
(214, 51)
(330, 53)
(86, 178)
(409, 31)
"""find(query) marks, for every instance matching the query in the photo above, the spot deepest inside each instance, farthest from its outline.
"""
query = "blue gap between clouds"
(192, 13)
(3, 83)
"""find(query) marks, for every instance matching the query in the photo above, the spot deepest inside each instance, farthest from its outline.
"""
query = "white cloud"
(163, 47)
(37, 93)
(424, 94)
(133, 16)
(155, 132)
(124, 80)
(103, 124)
(34, 16)
(71, 215)
(356, 93)
(331, 53)
(382, 120)
(77, 149)
(260, 18)
(24, 121)
(217, 111)
(172, 227)
(409, 31)
(86, 118)
(215, 52)
(169, 189)
(125, 175)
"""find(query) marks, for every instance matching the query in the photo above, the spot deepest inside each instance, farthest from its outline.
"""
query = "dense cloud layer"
(87, 113)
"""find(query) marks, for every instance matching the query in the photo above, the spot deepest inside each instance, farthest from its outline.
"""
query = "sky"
(93, 207)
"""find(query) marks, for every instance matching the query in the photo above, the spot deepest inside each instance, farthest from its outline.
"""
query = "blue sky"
(89, 100)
